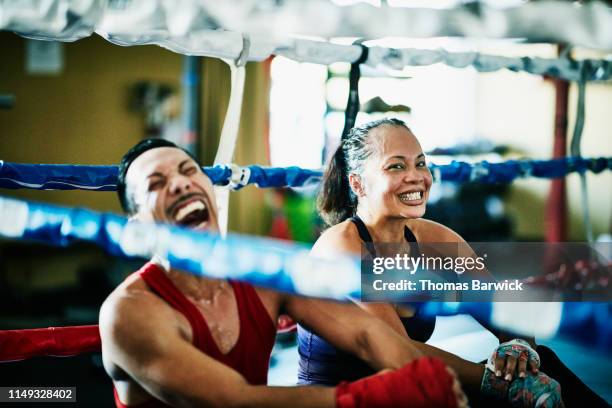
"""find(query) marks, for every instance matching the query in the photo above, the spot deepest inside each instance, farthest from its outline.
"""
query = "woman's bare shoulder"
(431, 231)
(341, 237)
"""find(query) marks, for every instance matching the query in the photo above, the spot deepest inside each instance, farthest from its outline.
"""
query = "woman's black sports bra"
(322, 364)
(418, 327)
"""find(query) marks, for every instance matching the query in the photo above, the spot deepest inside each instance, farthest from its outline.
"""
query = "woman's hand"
(512, 358)
(533, 391)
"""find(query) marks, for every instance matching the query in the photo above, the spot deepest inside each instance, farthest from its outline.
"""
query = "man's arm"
(349, 328)
(139, 334)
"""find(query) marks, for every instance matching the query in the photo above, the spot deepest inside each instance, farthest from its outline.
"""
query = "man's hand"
(425, 382)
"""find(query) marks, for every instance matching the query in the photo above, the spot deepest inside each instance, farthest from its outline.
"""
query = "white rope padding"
(135, 21)
(186, 28)
(588, 25)
(231, 125)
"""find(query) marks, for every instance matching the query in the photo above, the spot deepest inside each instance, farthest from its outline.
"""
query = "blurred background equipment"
(7, 101)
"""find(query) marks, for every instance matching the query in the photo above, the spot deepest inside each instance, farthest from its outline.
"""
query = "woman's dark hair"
(336, 201)
(126, 200)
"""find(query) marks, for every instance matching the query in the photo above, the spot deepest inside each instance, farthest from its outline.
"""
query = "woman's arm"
(343, 238)
(348, 328)
(430, 231)
(470, 374)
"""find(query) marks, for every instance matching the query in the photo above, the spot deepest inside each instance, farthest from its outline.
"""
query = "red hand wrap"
(421, 383)
(51, 341)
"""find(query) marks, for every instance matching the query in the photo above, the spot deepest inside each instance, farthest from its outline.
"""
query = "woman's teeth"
(417, 195)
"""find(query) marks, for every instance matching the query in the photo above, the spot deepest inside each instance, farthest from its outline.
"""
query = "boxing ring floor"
(465, 337)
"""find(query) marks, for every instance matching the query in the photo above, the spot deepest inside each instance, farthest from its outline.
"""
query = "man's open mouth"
(191, 213)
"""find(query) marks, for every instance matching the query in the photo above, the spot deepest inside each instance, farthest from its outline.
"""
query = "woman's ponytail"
(334, 202)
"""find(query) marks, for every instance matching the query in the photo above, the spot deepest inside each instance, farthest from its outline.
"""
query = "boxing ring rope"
(536, 22)
(66, 341)
(226, 45)
(264, 262)
(104, 178)
(129, 21)
(584, 323)
(167, 27)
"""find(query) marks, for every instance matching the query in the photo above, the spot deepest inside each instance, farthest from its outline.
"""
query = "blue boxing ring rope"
(265, 262)
(104, 178)
(269, 263)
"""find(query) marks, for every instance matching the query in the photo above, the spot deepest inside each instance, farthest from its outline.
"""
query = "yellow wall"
(81, 116)
(518, 109)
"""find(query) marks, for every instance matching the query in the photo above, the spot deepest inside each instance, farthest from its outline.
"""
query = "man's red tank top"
(251, 354)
